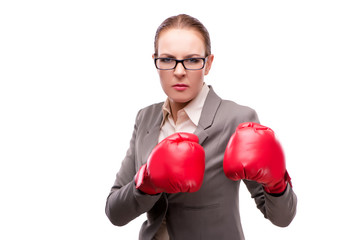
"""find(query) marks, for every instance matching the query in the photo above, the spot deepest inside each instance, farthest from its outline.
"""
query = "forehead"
(181, 42)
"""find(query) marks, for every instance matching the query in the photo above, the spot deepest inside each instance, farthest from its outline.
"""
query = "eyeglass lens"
(169, 63)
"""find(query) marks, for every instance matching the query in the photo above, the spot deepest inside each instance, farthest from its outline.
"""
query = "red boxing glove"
(253, 153)
(176, 164)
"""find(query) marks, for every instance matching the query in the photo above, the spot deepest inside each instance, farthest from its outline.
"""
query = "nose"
(179, 70)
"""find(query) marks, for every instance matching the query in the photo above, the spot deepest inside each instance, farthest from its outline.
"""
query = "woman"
(192, 192)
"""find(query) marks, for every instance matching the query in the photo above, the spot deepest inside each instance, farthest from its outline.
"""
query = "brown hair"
(184, 21)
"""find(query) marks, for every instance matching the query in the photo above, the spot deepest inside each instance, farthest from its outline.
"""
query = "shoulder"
(234, 110)
(227, 112)
(227, 107)
(150, 110)
(149, 116)
(232, 114)
(227, 116)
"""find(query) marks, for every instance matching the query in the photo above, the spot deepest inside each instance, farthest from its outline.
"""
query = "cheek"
(164, 77)
(197, 77)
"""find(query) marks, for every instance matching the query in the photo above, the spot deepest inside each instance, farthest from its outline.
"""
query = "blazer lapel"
(210, 108)
(150, 140)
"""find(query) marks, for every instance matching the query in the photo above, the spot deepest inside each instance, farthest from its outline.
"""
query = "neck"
(175, 107)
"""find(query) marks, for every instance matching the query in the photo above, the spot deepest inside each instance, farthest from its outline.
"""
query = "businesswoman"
(188, 154)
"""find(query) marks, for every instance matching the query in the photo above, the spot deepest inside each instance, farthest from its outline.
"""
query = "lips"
(180, 87)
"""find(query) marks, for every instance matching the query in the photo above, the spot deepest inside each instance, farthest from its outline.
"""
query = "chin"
(180, 100)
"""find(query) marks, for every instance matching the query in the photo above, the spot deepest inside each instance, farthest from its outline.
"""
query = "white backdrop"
(74, 74)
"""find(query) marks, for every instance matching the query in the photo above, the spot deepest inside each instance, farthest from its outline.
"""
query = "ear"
(209, 61)
(153, 56)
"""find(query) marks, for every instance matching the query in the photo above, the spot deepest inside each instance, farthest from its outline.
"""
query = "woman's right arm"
(125, 202)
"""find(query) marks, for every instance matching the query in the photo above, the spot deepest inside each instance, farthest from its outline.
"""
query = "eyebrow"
(166, 55)
(193, 55)
(187, 56)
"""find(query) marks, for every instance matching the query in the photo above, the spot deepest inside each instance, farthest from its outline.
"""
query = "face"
(179, 84)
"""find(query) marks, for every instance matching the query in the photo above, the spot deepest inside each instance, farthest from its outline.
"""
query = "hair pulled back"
(183, 21)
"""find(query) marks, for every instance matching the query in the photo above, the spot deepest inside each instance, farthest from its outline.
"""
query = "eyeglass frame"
(182, 62)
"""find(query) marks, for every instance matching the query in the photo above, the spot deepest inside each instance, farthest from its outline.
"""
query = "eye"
(193, 60)
(166, 60)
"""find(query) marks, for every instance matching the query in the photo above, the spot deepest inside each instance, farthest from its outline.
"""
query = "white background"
(74, 74)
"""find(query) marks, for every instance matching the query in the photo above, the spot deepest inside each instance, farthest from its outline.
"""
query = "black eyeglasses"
(188, 63)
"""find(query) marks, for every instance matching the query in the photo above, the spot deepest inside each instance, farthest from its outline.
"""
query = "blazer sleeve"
(125, 202)
(280, 210)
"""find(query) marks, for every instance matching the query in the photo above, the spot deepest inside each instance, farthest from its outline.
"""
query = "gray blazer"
(213, 211)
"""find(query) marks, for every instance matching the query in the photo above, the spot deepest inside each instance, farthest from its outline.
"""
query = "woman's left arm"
(254, 155)
(280, 209)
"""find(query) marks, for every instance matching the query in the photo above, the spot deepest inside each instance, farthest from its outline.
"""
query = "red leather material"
(176, 164)
(254, 153)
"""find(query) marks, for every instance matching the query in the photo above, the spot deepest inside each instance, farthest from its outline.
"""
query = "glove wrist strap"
(279, 187)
